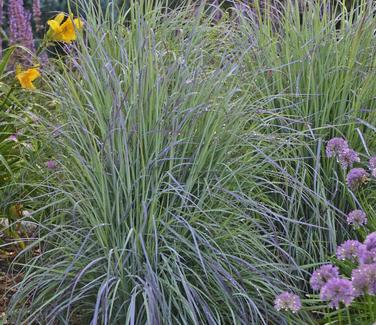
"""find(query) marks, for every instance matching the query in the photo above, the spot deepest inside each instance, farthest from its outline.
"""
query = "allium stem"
(340, 316)
(348, 316)
(370, 306)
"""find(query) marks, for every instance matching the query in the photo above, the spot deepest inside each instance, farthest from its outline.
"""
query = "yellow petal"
(55, 26)
(59, 18)
(33, 74)
(78, 23)
(27, 77)
(68, 31)
(25, 82)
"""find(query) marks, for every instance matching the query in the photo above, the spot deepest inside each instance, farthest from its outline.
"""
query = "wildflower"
(370, 242)
(51, 164)
(37, 15)
(349, 250)
(64, 31)
(335, 146)
(372, 166)
(322, 275)
(27, 77)
(337, 290)
(347, 157)
(367, 253)
(364, 279)
(356, 178)
(20, 30)
(287, 301)
(357, 218)
(366, 256)
(13, 137)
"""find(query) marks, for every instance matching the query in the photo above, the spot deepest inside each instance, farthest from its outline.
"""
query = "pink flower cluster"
(356, 177)
(339, 148)
(337, 290)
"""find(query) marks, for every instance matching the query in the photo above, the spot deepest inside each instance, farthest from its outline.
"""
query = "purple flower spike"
(364, 279)
(357, 218)
(349, 250)
(335, 146)
(347, 157)
(51, 164)
(287, 301)
(20, 30)
(337, 291)
(356, 178)
(37, 15)
(322, 275)
(372, 166)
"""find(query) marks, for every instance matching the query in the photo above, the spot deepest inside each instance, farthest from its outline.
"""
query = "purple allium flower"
(287, 301)
(372, 166)
(367, 253)
(20, 30)
(364, 279)
(322, 275)
(37, 15)
(337, 290)
(13, 138)
(356, 178)
(370, 242)
(347, 157)
(335, 146)
(349, 250)
(51, 164)
(357, 218)
(366, 256)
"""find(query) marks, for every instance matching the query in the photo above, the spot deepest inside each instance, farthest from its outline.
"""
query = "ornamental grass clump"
(158, 212)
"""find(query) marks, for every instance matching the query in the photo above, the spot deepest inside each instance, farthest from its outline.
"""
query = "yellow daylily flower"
(27, 77)
(64, 31)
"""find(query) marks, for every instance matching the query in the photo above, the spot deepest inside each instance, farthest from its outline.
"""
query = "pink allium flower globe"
(337, 291)
(288, 301)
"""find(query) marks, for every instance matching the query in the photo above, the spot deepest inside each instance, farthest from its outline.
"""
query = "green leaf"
(5, 60)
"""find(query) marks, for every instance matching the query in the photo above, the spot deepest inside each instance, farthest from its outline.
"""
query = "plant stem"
(348, 315)
(370, 306)
(340, 317)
